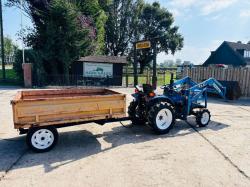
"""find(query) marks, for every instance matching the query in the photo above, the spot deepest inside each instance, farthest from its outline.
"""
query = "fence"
(162, 79)
(241, 75)
(163, 76)
(127, 79)
(76, 80)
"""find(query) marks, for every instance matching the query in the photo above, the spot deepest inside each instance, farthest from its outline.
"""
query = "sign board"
(97, 70)
(143, 45)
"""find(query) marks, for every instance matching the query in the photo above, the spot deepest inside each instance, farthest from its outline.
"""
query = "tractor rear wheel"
(134, 114)
(203, 118)
(161, 118)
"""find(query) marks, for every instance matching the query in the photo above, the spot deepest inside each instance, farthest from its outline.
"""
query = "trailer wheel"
(161, 118)
(134, 115)
(203, 118)
(42, 139)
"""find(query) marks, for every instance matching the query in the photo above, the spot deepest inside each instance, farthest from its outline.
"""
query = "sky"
(204, 24)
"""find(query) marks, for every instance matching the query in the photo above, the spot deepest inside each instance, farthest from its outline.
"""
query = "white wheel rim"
(205, 118)
(164, 119)
(42, 139)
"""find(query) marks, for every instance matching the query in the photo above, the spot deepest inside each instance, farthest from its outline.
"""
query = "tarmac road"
(124, 155)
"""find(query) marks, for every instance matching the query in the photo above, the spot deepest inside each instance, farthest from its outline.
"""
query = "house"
(230, 53)
(99, 70)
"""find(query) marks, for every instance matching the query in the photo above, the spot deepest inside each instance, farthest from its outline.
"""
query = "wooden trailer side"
(55, 111)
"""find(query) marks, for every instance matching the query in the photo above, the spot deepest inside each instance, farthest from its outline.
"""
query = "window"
(247, 54)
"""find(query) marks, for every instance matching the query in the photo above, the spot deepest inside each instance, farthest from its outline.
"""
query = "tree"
(121, 25)
(30, 57)
(94, 9)
(61, 33)
(9, 46)
(156, 25)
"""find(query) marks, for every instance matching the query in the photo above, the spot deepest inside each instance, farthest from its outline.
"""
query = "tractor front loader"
(180, 99)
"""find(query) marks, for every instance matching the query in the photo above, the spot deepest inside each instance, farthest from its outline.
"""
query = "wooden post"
(148, 76)
(154, 78)
(164, 77)
(126, 75)
(135, 66)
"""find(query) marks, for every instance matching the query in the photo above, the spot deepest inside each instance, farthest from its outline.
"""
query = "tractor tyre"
(161, 118)
(133, 114)
(203, 118)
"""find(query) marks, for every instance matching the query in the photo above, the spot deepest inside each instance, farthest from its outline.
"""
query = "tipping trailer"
(40, 112)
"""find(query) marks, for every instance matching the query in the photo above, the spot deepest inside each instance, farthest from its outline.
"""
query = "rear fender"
(159, 99)
(135, 96)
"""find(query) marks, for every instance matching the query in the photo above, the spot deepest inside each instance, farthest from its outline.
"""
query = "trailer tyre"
(42, 139)
(161, 118)
(203, 118)
(133, 114)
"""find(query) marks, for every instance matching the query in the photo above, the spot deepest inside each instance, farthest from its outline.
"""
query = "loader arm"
(200, 90)
(211, 85)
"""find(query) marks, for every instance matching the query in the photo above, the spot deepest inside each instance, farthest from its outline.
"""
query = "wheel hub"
(42, 139)
(164, 119)
(204, 118)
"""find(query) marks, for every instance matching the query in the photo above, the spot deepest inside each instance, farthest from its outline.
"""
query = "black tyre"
(42, 139)
(203, 118)
(135, 115)
(161, 118)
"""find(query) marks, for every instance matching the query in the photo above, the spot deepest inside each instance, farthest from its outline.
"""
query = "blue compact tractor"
(180, 99)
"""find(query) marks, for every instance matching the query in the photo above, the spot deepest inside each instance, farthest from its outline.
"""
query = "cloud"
(175, 12)
(195, 54)
(206, 7)
(245, 13)
(183, 3)
(214, 18)
(212, 6)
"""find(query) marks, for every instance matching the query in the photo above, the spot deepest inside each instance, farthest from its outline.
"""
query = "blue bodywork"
(185, 95)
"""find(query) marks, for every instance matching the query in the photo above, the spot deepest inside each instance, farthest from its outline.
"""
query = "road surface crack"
(220, 152)
(12, 165)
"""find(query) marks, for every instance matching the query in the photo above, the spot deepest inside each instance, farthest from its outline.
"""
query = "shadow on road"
(76, 145)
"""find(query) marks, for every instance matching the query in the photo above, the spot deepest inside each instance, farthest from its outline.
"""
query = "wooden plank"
(241, 77)
(247, 83)
(244, 92)
(66, 108)
(85, 119)
(65, 99)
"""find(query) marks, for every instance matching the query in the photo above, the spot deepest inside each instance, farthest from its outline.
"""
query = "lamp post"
(21, 1)
(2, 41)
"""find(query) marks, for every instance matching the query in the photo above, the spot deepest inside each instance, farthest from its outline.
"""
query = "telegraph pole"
(2, 41)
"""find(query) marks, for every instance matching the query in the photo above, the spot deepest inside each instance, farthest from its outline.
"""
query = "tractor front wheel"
(203, 118)
(161, 118)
